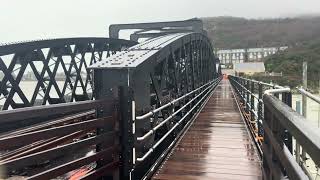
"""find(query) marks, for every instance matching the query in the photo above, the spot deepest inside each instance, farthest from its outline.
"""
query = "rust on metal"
(216, 146)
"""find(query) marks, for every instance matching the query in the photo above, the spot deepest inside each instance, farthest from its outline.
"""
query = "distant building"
(230, 56)
(248, 68)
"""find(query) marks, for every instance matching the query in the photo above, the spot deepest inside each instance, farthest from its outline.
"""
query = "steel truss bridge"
(158, 109)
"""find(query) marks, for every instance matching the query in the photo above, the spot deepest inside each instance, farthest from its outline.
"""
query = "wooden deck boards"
(217, 146)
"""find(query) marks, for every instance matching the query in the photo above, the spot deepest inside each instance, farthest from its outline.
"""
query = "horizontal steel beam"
(39, 44)
(195, 24)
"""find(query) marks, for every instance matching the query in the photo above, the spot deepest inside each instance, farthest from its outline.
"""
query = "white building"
(248, 68)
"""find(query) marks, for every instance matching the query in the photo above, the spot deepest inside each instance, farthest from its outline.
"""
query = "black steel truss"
(44, 59)
(156, 71)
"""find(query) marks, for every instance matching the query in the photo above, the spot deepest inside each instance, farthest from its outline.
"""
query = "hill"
(301, 34)
(234, 32)
(290, 63)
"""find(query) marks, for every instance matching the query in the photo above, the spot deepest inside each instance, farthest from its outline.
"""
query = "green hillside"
(290, 63)
(301, 34)
(233, 32)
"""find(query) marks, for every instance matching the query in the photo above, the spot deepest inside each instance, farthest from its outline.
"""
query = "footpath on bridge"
(216, 146)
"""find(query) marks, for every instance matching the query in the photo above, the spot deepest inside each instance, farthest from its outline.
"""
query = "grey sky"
(39, 19)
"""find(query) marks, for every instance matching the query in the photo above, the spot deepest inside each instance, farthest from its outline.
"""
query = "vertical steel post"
(260, 104)
(239, 85)
(117, 88)
(287, 99)
(243, 91)
(247, 96)
(107, 88)
(126, 137)
(240, 88)
(276, 94)
(252, 101)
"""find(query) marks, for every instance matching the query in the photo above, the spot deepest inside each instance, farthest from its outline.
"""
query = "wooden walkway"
(216, 146)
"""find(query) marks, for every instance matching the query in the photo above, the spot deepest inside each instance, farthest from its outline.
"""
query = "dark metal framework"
(44, 60)
(152, 30)
(170, 76)
(152, 74)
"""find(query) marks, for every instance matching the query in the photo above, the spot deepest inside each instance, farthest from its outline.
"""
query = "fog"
(42, 19)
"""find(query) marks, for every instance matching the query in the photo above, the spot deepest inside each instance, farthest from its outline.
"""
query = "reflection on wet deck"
(217, 145)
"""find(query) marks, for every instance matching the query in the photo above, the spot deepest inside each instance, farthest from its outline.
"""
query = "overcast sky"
(40, 19)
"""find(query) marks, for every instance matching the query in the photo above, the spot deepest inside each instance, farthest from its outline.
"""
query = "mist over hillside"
(301, 34)
(234, 32)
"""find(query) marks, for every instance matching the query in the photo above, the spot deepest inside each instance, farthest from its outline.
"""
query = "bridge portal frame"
(155, 72)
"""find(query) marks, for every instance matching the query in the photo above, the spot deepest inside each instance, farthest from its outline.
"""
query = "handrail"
(261, 82)
(251, 94)
(274, 91)
(141, 159)
(309, 95)
(171, 102)
(286, 118)
(247, 90)
(153, 130)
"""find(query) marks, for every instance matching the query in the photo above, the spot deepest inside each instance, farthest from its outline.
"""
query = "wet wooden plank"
(217, 146)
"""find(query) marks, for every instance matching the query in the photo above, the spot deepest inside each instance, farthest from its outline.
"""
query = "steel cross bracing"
(44, 59)
(176, 67)
(148, 76)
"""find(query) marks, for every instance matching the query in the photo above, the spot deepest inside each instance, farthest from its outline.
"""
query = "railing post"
(241, 89)
(247, 95)
(252, 101)
(287, 99)
(260, 104)
(276, 94)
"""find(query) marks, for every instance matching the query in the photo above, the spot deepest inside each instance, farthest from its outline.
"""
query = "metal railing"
(204, 88)
(196, 99)
(279, 160)
(251, 93)
(274, 124)
(301, 155)
(309, 95)
(204, 91)
(62, 135)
